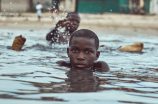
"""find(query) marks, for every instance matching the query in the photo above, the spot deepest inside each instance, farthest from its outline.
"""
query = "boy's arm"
(64, 63)
(101, 66)
(51, 34)
(54, 31)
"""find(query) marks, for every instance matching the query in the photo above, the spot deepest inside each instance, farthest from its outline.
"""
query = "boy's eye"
(76, 21)
(72, 20)
(88, 52)
(74, 50)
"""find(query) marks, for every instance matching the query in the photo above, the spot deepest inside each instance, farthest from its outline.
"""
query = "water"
(32, 75)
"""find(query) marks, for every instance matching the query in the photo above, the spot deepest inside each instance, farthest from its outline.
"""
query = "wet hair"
(72, 13)
(85, 33)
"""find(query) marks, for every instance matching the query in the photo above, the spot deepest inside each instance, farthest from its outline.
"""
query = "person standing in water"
(70, 24)
(38, 8)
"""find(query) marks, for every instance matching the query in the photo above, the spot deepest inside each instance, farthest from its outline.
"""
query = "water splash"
(61, 7)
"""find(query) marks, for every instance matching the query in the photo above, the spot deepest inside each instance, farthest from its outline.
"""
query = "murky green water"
(32, 76)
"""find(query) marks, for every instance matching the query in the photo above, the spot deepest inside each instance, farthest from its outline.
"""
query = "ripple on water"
(32, 74)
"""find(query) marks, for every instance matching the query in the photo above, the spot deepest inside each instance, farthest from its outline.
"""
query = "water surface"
(32, 75)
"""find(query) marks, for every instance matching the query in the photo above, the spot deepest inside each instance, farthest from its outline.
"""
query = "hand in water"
(62, 23)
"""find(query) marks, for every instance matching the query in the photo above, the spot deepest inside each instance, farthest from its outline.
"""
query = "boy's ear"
(97, 55)
(68, 51)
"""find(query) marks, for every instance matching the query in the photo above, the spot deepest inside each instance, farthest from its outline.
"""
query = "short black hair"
(70, 13)
(73, 13)
(85, 33)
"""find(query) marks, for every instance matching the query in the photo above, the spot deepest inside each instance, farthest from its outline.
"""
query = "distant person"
(38, 8)
(83, 52)
(56, 3)
(70, 24)
(54, 12)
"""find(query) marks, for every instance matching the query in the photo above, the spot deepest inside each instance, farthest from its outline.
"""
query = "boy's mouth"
(80, 65)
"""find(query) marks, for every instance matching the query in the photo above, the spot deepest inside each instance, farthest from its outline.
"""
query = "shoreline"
(125, 24)
(28, 25)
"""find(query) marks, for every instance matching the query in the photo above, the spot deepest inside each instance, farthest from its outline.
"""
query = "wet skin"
(71, 23)
(74, 22)
(82, 52)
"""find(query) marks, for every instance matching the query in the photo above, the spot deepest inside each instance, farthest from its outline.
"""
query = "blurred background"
(135, 14)
(84, 6)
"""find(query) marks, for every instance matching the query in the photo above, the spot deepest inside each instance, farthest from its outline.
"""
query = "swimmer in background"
(83, 52)
(70, 24)
(38, 8)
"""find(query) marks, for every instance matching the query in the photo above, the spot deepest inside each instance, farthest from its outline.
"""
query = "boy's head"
(74, 19)
(83, 46)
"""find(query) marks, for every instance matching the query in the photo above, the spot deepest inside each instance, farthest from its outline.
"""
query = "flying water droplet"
(61, 7)
(48, 8)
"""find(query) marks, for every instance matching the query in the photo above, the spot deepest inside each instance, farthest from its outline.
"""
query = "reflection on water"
(82, 81)
(32, 75)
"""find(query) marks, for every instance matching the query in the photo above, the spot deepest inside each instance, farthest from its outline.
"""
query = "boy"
(83, 52)
(71, 24)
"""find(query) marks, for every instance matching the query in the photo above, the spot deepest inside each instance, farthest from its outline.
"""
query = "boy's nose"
(80, 56)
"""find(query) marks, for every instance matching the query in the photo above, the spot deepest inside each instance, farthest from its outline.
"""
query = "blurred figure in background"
(38, 8)
(71, 23)
(54, 12)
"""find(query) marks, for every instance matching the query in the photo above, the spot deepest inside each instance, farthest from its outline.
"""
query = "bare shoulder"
(101, 66)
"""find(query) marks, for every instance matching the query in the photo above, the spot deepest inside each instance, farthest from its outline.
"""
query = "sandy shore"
(107, 23)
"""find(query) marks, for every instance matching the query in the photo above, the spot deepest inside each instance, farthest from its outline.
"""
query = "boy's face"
(74, 22)
(82, 52)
